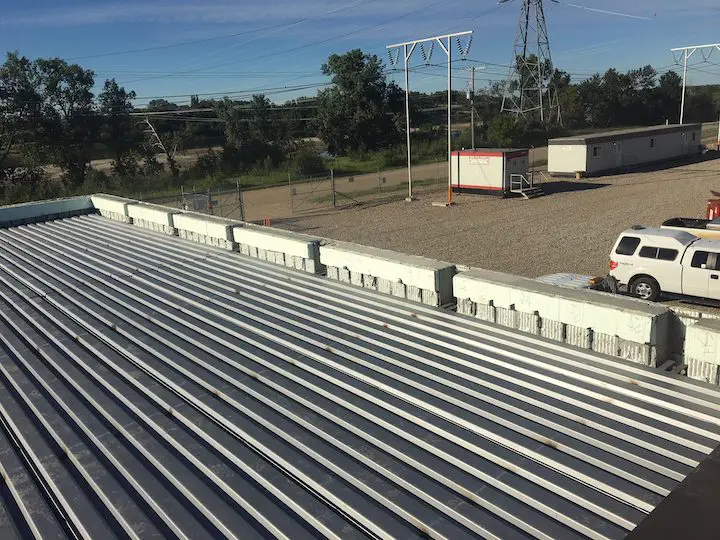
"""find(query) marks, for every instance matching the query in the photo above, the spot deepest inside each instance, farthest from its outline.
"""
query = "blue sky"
(282, 43)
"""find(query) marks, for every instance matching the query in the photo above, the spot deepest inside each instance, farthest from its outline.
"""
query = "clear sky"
(274, 44)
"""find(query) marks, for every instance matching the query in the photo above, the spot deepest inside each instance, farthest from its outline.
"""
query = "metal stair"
(521, 185)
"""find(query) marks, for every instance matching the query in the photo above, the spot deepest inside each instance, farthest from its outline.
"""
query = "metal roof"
(628, 133)
(152, 387)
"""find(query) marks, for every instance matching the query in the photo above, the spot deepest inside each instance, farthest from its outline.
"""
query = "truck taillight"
(613, 265)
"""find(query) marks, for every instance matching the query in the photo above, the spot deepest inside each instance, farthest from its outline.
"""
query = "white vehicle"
(648, 261)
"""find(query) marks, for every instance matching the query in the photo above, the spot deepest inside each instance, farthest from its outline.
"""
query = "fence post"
(379, 182)
(292, 200)
(332, 186)
(241, 203)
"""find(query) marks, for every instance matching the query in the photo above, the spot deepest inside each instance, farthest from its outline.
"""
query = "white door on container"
(617, 146)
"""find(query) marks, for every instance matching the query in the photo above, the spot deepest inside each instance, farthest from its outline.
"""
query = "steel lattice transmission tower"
(531, 89)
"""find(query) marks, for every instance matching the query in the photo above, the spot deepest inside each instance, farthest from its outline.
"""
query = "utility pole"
(688, 52)
(408, 49)
(471, 99)
(472, 107)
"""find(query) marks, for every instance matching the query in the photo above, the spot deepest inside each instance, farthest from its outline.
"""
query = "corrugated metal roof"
(151, 387)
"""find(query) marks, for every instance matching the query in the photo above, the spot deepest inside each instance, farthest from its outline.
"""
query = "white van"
(648, 261)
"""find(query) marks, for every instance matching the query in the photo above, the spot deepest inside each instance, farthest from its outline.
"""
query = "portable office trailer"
(586, 155)
(489, 171)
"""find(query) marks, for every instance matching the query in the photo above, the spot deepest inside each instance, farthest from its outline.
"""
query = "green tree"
(70, 123)
(118, 131)
(505, 131)
(359, 113)
(19, 102)
(669, 96)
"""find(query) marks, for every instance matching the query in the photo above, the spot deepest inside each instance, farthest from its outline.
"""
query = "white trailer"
(587, 155)
(490, 171)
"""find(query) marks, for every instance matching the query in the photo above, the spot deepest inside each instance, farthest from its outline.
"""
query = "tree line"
(49, 115)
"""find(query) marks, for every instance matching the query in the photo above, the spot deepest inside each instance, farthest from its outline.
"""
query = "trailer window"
(627, 245)
(596, 151)
(694, 135)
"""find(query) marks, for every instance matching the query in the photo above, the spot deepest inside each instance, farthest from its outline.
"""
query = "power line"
(176, 44)
(306, 45)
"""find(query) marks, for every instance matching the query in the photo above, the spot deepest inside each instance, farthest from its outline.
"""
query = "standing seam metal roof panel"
(173, 390)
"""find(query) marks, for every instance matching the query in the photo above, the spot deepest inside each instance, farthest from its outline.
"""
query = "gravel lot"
(571, 229)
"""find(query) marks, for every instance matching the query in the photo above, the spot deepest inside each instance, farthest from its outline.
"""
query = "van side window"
(663, 254)
(648, 252)
(700, 258)
(627, 245)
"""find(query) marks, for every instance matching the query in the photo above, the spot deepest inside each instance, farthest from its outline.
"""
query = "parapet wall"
(702, 350)
(210, 230)
(112, 207)
(34, 212)
(293, 250)
(615, 325)
(414, 278)
(153, 217)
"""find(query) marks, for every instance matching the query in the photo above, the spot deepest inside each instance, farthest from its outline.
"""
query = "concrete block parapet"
(153, 217)
(702, 351)
(618, 326)
(34, 212)
(112, 207)
(209, 230)
(414, 278)
(293, 250)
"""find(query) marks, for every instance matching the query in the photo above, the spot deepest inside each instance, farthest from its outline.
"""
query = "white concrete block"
(613, 315)
(18, 214)
(210, 226)
(407, 270)
(708, 372)
(112, 204)
(702, 342)
(153, 213)
(294, 244)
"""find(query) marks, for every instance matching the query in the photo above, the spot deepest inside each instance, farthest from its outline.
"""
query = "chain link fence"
(303, 195)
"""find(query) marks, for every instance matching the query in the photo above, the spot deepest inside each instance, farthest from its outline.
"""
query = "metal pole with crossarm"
(688, 52)
(408, 48)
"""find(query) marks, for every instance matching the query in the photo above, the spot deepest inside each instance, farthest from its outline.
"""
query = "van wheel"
(645, 288)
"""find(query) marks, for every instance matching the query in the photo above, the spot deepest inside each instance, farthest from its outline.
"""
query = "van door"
(714, 281)
(696, 272)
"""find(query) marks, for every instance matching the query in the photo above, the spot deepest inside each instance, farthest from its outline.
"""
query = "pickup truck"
(702, 228)
(649, 261)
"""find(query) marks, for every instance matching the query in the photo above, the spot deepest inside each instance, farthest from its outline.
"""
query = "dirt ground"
(571, 229)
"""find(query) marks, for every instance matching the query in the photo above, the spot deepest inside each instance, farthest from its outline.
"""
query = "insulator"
(423, 53)
(430, 52)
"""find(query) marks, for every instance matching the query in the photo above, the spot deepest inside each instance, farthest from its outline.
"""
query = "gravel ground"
(571, 229)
